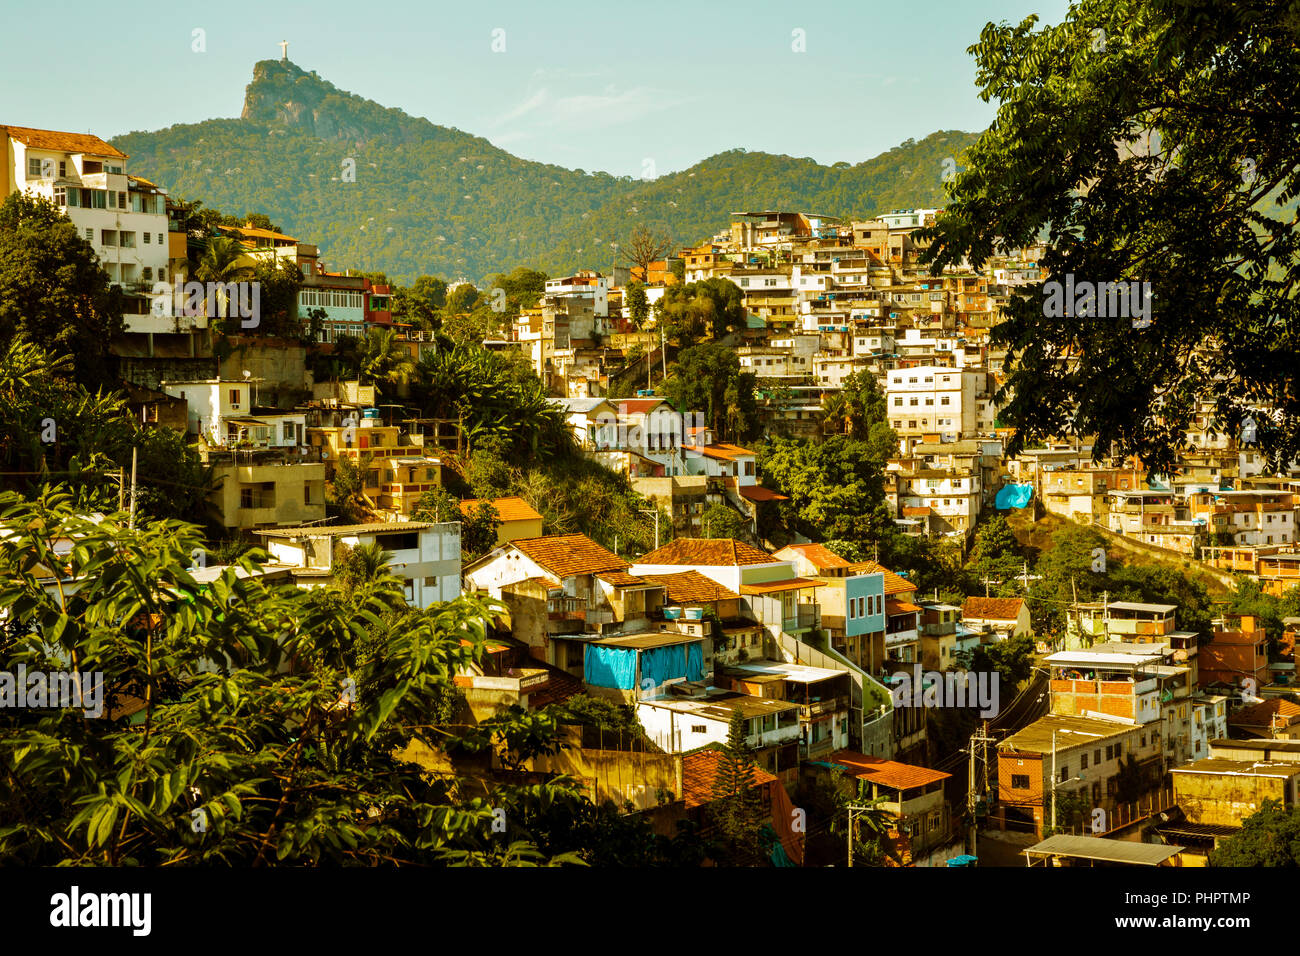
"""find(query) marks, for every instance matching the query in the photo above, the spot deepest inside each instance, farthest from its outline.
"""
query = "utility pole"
(121, 489)
(1053, 781)
(980, 737)
(131, 517)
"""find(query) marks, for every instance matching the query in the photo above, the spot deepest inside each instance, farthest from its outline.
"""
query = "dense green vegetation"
(429, 199)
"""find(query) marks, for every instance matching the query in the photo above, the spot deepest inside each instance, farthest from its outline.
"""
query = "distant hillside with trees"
(378, 189)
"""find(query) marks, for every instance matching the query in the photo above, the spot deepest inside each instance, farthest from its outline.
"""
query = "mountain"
(379, 189)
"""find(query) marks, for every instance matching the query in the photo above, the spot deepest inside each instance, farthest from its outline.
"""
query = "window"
(98, 198)
(1083, 761)
(128, 240)
(160, 239)
(60, 195)
(431, 581)
(286, 433)
(1064, 773)
(699, 729)
(148, 237)
(108, 237)
(63, 169)
(148, 273)
(33, 165)
(234, 398)
(90, 235)
(1020, 781)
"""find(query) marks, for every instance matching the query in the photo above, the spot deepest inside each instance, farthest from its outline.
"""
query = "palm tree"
(840, 415)
(221, 262)
(385, 359)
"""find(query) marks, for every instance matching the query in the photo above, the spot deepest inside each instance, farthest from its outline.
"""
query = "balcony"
(805, 616)
(819, 749)
(821, 707)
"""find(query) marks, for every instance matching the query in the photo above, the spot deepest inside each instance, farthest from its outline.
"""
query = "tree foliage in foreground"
(211, 748)
(1147, 141)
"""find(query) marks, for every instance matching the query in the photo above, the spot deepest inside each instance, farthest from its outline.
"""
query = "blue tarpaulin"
(1013, 496)
(609, 667)
(695, 661)
(659, 664)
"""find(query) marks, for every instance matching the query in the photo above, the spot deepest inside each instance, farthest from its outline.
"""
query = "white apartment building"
(123, 217)
(425, 555)
(931, 399)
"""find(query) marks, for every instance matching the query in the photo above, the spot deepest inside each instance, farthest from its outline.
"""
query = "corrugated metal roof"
(1110, 851)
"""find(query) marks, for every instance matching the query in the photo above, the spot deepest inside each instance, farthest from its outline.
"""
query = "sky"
(627, 88)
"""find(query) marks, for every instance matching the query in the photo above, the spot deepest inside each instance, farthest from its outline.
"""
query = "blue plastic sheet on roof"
(609, 667)
(1013, 496)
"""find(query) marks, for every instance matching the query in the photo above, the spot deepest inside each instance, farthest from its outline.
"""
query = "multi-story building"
(121, 215)
(425, 555)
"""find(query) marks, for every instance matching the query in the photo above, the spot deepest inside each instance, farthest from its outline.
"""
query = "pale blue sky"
(582, 83)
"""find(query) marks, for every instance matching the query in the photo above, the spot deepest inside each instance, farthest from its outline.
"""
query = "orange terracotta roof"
(638, 406)
(789, 584)
(63, 142)
(1261, 714)
(894, 584)
(991, 609)
(920, 512)
(710, 552)
(888, 773)
(621, 579)
(567, 554)
(724, 451)
(894, 606)
(818, 555)
(508, 509)
(258, 233)
(700, 771)
(691, 587)
(759, 493)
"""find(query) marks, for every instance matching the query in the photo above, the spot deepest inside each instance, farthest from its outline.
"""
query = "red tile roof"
(63, 142)
(759, 493)
(894, 584)
(508, 509)
(893, 606)
(709, 552)
(818, 555)
(888, 773)
(639, 406)
(691, 587)
(1261, 714)
(621, 579)
(568, 554)
(991, 609)
(700, 771)
(724, 451)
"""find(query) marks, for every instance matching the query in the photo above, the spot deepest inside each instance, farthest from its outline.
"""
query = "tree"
(645, 247)
(737, 810)
(209, 748)
(1268, 837)
(1144, 142)
(278, 282)
(722, 521)
(713, 307)
(385, 359)
(223, 260)
(995, 557)
(523, 287)
(636, 305)
(421, 305)
(53, 290)
(708, 378)
(836, 489)
(478, 530)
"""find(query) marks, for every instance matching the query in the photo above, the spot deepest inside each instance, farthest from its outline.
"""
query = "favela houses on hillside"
(909, 506)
